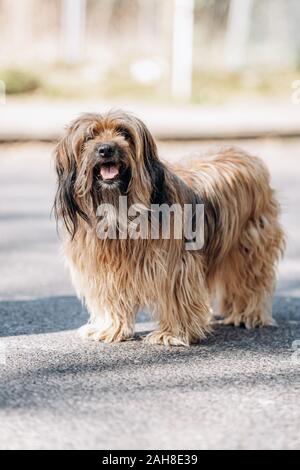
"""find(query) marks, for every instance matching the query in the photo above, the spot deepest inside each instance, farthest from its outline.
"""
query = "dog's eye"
(124, 133)
(88, 138)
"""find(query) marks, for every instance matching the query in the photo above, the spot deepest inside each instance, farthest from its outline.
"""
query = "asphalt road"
(238, 389)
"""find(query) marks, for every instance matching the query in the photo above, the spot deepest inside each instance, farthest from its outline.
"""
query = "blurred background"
(200, 73)
(199, 51)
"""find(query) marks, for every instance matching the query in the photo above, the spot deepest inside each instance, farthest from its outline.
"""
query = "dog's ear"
(154, 167)
(66, 206)
(148, 145)
(156, 171)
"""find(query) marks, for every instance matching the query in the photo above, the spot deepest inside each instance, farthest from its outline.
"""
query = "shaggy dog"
(103, 157)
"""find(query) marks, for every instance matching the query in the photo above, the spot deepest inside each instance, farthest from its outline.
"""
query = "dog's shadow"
(55, 314)
(64, 358)
(46, 315)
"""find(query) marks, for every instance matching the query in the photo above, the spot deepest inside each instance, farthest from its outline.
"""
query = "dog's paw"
(164, 338)
(96, 332)
(90, 331)
(255, 321)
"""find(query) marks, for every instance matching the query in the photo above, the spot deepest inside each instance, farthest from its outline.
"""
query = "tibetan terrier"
(103, 157)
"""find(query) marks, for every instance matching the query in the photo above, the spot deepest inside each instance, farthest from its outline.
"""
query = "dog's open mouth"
(109, 171)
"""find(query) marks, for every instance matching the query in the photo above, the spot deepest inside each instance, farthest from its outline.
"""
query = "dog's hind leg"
(248, 274)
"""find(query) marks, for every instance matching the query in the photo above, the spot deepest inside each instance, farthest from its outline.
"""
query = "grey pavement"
(237, 389)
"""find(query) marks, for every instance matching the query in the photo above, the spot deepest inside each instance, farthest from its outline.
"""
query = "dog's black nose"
(106, 150)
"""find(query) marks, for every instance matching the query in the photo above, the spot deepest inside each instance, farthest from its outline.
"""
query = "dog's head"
(101, 157)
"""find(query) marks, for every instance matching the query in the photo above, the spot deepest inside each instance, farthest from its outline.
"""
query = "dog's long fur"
(115, 278)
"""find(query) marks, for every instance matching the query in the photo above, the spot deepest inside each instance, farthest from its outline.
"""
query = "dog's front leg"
(183, 309)
(109, 323)
(182, 325)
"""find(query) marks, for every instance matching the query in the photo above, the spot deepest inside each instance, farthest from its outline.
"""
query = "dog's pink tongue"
(109, 172)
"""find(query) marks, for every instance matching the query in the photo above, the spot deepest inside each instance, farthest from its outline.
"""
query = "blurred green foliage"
(60, 81)
(19, 81)
(218, 87)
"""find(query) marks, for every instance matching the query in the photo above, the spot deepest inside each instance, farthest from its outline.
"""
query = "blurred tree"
(73, 29)
(18, 17)
(237, 33)
(147, 16)
(182, 56)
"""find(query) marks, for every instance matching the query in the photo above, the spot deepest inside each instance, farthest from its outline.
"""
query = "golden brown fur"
(115, 278)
